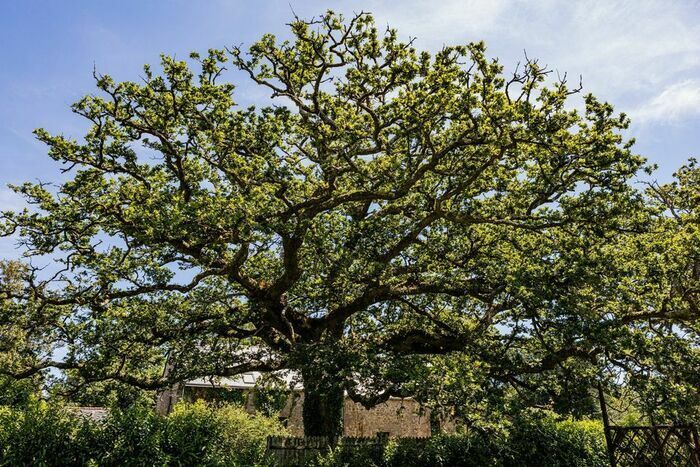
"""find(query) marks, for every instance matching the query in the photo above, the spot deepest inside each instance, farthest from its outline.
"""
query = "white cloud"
(631, 47)
(626, 50)
(438, 22)
(675, 103)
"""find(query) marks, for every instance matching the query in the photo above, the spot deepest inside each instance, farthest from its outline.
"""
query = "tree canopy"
(386, 208)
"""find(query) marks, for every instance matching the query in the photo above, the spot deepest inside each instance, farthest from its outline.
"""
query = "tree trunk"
(322, 411)
(167, 398)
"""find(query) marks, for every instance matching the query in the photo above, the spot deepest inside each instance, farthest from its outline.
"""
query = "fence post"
(606, 425)
(696, 446)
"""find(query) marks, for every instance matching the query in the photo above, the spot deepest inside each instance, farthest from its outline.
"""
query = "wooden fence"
(656, 445)
(650, 446)
(296, 450)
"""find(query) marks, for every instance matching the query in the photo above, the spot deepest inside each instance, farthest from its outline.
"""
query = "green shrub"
(542, 438)
(131, 436)
(18, 393)
(533, 439)
(199, 434)
(246, 436)
(194, 434)
(228, 435)
(440, 450)
(467, 449)
(42, 434)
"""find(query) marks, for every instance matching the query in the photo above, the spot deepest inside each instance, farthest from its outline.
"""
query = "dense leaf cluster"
(196, 434)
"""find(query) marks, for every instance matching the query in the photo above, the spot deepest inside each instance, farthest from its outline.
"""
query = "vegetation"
(392, 223)
(531, 439)
(196, 434)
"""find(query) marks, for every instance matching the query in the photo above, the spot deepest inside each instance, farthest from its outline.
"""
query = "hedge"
(198, 434)
(194, 434)
(537, 439)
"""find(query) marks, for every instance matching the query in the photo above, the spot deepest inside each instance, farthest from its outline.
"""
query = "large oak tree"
(386, 206)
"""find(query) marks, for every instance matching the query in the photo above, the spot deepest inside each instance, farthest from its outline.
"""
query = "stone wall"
(397, 417)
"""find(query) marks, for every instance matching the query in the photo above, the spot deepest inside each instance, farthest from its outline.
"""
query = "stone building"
(396, 417)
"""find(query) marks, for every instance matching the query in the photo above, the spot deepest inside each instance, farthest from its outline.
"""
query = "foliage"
(43, 434)
(388, 212)
(227, 435)
(545, 439)
(443, 450)
(134, 436)
(216, 395)
(195, 434)
(15, 392)
(533, 439)
(270, 400)
(110, 394)
(199, 434)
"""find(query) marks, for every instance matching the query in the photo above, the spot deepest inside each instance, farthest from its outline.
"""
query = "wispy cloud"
(436, 22)
(631, 48)
(625, 50)
(675, 103)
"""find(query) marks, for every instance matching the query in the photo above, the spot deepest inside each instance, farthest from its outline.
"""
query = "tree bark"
(167, 398)
(322, 411)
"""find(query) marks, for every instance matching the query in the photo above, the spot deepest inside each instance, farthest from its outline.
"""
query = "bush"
(194, 434)
(472, 449)
(227, 435)
(132, 436)
(42, 434)
(199, 434)
(18, 393)
(542, 438)
(250, 440)
(532, 439)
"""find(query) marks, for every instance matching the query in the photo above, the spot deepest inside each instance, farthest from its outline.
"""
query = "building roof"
(244, 381)
(249, 380)
(94, 413)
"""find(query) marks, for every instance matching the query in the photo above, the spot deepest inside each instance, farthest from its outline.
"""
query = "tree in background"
(659, 355)
(17, 347)
(386, 211)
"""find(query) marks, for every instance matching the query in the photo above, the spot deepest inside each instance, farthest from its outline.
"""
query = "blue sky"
(642, 56)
